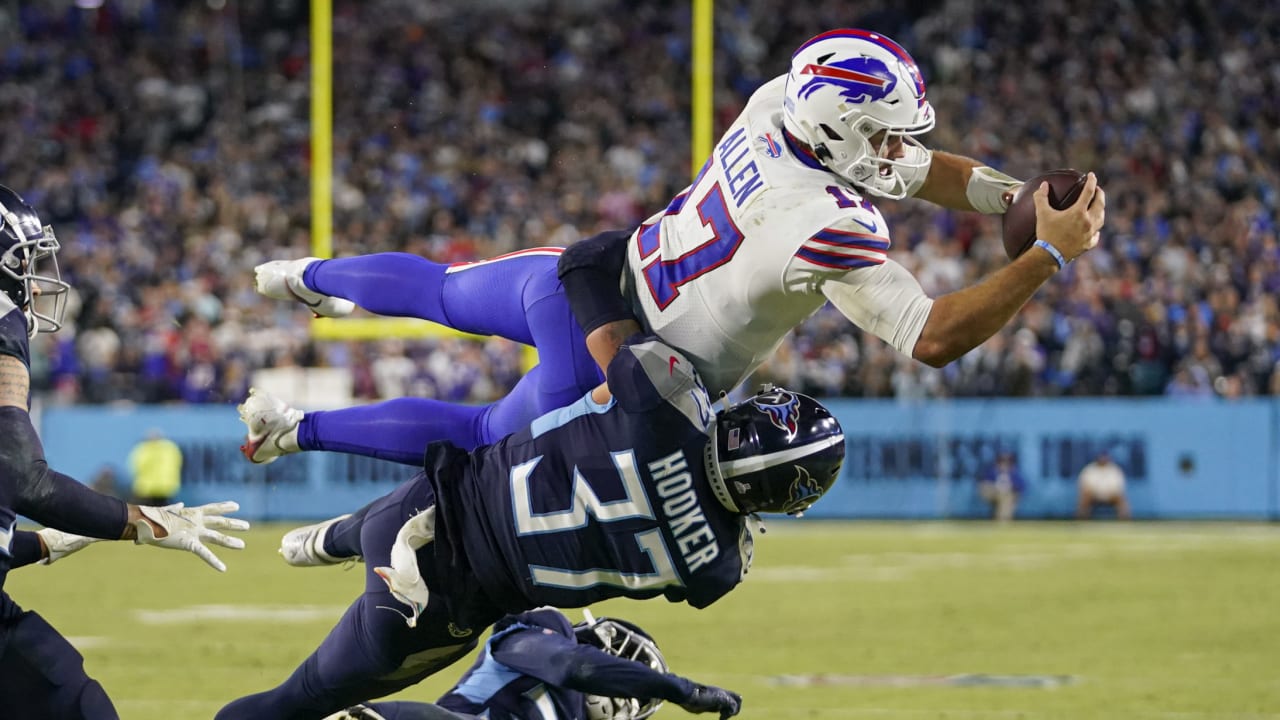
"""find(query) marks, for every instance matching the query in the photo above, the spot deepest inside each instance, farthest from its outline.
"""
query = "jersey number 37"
(635, 504)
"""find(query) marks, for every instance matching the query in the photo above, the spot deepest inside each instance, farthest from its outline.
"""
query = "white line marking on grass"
(1022, 714)
(242, 613)
(86, 642)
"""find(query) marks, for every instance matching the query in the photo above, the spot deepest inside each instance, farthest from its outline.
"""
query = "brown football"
(1020, 218)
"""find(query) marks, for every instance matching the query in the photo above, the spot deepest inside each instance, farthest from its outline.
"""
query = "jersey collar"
(802, 152)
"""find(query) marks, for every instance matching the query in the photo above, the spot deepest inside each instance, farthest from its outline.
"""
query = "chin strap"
(714, 478)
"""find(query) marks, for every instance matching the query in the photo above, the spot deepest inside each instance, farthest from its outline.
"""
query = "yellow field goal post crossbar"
(379, 328)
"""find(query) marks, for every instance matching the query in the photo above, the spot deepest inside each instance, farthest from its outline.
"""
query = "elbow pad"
(986, 188)
(591, 272)
(50, 498)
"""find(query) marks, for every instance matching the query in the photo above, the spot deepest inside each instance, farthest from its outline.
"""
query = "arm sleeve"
(25, 548)
(557, 660)
(591, 272)
(46, 496)
(884, 300)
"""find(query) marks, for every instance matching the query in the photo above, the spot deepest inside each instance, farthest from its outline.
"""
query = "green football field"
(876, 621)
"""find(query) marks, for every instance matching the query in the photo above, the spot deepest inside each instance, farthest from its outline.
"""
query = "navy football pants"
(42, 675)
(371, 652)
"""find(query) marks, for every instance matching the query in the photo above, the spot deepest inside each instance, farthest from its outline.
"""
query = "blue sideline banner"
(1182, 459)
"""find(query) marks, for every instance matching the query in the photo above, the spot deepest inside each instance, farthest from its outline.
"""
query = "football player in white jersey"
(779, 221)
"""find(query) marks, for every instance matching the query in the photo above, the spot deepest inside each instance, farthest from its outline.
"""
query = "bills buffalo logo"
(804, 491)
(772, 147)
(860, 79)
(782, 407)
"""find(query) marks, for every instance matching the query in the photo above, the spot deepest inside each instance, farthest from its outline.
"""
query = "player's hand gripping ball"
(1020, 218)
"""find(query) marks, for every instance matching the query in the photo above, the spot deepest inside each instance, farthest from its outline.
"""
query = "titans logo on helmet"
(782, 408)
(804, 491)
(860, 79)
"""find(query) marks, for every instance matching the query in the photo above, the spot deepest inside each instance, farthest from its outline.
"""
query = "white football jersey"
(756, 244)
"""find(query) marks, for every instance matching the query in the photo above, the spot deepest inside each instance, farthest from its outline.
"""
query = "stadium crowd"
(168, 145)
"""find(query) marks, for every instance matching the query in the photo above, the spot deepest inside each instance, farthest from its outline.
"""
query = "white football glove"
(188, 528)
(61, 544)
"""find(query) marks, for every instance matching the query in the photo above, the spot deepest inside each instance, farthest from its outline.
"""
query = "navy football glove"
(708, 698)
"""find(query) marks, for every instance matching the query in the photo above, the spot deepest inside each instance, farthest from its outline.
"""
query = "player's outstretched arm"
(560, 661)
(711, 699)
(31, 488)
(962, 320)
(182, 528)
(591, 272)
(188, 531)
(962, 183)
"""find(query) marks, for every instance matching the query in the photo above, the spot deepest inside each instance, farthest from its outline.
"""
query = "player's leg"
(372, 651)
(341, 538)
(484, 298)
(42, 675)
(531, 308)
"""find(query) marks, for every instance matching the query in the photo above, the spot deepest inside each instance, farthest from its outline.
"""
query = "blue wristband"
(1057, 256)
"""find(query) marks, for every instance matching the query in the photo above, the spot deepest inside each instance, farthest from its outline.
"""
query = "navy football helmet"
(625, 640)
(776, 452)
(25, 243)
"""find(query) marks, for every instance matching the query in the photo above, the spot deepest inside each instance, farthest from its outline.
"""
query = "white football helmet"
(844, 87)
(625, 640)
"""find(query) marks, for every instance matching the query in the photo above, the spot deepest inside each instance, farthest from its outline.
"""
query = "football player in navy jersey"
(538, 666)
(638, 489)
(41, 674)
(781, 220)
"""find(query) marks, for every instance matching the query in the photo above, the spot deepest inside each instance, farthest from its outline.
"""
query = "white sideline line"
(241, 613)
(86, 642)
(1025, 713)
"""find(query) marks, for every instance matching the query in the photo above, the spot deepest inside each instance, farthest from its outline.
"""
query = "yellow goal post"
(321, 111)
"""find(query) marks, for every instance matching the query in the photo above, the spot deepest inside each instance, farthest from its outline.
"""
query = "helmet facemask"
(625, 640)
(866, 164)
(845, 87)
(30, 274)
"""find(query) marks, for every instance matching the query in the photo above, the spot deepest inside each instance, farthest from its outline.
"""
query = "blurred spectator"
(168, 143)
(155, 465)
(1001, 485)
(1102, 482)
(106, 482)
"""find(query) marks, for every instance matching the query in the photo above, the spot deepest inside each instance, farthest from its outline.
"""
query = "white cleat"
(282, 280)
(304, 546)
(272, 427)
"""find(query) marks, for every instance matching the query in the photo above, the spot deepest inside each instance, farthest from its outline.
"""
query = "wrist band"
(1057, 256)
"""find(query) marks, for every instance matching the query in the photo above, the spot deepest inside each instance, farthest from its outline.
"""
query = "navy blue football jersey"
(13, 331)
(599, 501)
(501, 690)
(13, 341)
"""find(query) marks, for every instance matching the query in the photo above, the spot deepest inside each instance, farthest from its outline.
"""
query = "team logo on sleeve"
(860, 79)
(770, 145)
(782, 408)
(803, 492)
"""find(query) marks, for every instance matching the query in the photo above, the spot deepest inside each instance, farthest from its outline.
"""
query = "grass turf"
(835, 620)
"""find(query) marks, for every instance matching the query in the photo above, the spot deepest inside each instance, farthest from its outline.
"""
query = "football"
(1019, 225)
